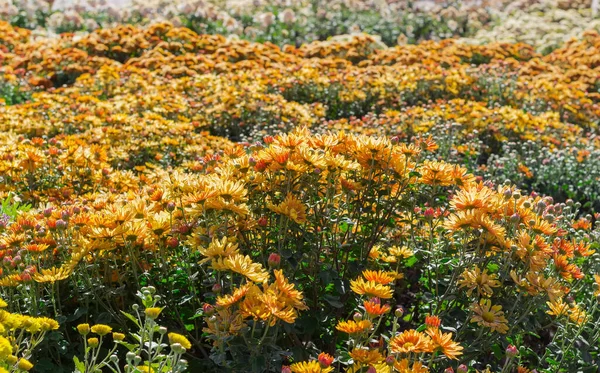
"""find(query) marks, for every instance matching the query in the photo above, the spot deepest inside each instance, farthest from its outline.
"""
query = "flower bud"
(217, 288)
(162, 330)
(153, 312)
(399, 312)
(514, 218)
(511, 351)
(172, 242)
(462, 368)
(390, 360)
(371, 369)
(24, 364)
(274, 260)
(130, 356)
(61, 224)
(449, 370)
(286, 369)
(263, 221)
(357, 316)
(170, 207)
(93, 342)
(208, 309)
(429, 213)
(83, 329)
(325, 360)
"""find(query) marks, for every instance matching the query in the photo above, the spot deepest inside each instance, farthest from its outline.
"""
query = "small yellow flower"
(3, 304)
(12, 359)
(101, 329)
(83, 329)
(118, 336)
(24, 364)
(153, 312)
(93, 342)
(178, 338)
(5, 348)
(144, 369)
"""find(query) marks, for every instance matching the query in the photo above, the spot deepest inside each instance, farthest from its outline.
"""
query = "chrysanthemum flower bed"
(183, 202)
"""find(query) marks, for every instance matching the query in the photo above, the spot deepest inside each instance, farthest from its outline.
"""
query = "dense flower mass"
(179, 200)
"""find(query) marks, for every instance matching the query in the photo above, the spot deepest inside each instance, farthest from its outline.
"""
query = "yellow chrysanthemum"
(178, 338)
(246, 267)
(24, 364)
(5, 348)
(370, 288)
(489, 316)
(312, 366)
(291, 207)
(101, 329)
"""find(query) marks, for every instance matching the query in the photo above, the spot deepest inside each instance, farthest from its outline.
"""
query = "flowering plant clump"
(334, 206)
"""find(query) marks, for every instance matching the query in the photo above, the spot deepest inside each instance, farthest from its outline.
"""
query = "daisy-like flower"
(353, 327)
(444, 342)
(312, 366)
(401, 252)
(475, 279)
(291, 207)
(375, 308)
(52, 275)
(218, 249)
(411, 341)
(370, 288)
(577, 314)
(246, 267)
(366, 356)
(380, 277)
(489, 316)
(231, 299)
(436, 173)
(557, 308)
(403, 366)
(288, 292)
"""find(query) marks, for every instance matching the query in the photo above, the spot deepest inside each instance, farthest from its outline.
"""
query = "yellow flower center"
(408, 345)
(488, 316)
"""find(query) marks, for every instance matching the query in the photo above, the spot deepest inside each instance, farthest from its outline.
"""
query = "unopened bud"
(274, 260)
(511, 351)
(208, 309)
(462, 368)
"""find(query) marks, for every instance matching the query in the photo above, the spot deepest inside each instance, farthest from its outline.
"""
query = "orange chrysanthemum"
(411, 341)
(353, 327)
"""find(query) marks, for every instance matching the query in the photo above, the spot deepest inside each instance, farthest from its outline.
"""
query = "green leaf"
(79, 365)
(132, 318)
(333, 301)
